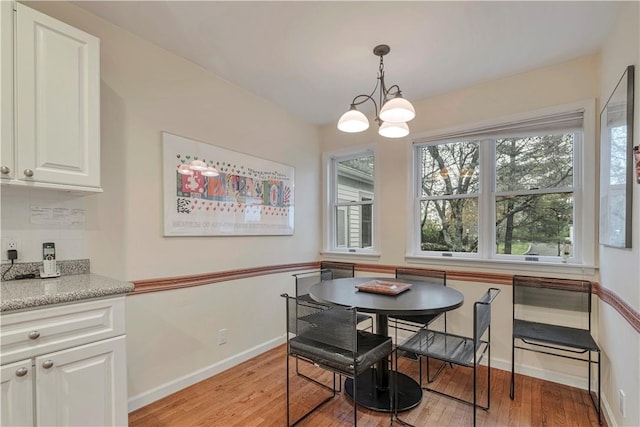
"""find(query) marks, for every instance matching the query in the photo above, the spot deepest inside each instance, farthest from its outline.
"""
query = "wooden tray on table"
(383, 287)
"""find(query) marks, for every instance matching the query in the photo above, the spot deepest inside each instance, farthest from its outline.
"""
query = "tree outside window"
(531, 197)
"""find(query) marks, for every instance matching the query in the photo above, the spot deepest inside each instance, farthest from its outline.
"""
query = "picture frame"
(243, 195)
(617, 164)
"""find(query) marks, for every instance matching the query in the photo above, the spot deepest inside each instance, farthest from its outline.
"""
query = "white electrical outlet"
(223, 336)
(622, 402)
(12, 244)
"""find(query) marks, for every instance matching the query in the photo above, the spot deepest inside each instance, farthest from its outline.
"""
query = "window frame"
(330, 161)
(584, 202)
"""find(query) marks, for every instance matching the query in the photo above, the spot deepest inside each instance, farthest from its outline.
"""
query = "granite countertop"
(34, 293)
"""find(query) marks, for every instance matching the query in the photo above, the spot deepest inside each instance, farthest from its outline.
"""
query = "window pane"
(355, 179)
(365, 228)
(534, 224)
(448, 169)
(449, 225)
(534, 162)
(354, 226)
(341, 226)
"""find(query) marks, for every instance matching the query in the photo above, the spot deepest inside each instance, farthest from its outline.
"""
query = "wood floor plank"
(253, 394)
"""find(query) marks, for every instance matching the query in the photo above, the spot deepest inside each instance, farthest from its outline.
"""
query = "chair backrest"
(550, 292)
(431, 276)
(324, 323)
(482, 314)
(554, 293)
(304, 281)
(339, 270)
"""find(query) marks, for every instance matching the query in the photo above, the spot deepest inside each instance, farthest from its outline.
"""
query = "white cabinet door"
(83, 386)
(57, 92)
(16, 393)
(6, 90)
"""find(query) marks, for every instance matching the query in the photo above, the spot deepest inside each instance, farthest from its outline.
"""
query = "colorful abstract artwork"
(228, 193)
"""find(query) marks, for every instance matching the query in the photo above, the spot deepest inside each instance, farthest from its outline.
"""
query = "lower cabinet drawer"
(32, 333)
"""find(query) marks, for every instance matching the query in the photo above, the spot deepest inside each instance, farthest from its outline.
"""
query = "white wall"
(28, 219)
(561, 84)
(144, 91)
(620, 268)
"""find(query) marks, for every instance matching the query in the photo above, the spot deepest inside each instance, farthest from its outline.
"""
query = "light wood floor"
(253, 394)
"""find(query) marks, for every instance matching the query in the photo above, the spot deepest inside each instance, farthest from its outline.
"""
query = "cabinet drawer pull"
(47, 364)
(28, 173)
(21, 372)
(34, 335)
(5, 170)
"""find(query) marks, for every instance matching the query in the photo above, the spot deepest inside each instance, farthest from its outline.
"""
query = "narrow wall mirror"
(616, 164)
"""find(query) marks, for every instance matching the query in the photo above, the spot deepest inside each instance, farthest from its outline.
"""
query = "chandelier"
(395, 111)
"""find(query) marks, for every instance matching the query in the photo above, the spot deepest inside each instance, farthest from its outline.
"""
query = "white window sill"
(514, 266)
(355, 255)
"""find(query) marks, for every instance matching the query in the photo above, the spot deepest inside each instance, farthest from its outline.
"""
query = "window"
(351, 198)
(506, 191)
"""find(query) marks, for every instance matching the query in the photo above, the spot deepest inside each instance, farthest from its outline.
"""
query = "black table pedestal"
(369, 396)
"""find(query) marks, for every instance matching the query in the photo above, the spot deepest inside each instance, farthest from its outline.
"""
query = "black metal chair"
(413, 323)
(304, 281)
(318, 334)
(537, 334)
(339, 270)
(457, 349)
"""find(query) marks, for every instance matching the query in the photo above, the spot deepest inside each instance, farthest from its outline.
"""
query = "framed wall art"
(617, 164)
(212, 191)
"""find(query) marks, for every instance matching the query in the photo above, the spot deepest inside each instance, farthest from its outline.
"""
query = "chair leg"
(598, 406)
(307, 377)
(391, 390)
(287, 389)
(355, 396)
(475, 380)
(489, 377)
(440, 369)
(513, 354)
(599, 398)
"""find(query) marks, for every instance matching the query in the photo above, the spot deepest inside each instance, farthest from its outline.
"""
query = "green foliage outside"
(533, 185)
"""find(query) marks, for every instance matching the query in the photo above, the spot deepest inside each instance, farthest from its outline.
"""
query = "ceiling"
(312, 58)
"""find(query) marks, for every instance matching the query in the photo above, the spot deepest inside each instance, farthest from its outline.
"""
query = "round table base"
(378, 400)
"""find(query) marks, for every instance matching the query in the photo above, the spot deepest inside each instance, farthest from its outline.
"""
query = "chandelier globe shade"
(353, 121)
(393, 130)
(397, 110)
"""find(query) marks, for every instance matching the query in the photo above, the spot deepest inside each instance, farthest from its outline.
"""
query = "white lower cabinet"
(16, 392)
(88, 382)
(76, 374)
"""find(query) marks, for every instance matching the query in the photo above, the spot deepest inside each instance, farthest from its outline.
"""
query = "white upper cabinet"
(56, 104)
(6, 90)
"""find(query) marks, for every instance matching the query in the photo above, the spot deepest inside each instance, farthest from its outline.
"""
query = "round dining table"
(420, 298)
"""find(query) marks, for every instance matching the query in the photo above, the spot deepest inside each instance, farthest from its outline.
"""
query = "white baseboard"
(543, 374)
(143, 399)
